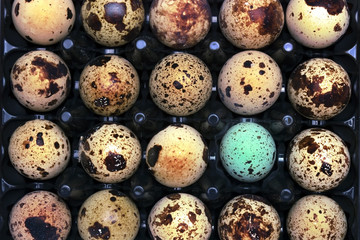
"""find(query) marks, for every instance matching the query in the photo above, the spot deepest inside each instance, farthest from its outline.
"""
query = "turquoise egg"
(247, 152)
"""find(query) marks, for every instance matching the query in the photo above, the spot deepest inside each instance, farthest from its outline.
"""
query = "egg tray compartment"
(215, 187)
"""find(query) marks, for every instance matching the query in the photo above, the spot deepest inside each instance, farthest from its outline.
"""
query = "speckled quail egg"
(110, 153)
(249, 217)
(40, 80)
(316, 217)
(317, 24)
(109, 85)
(108, 214)
(249, 82)
(319, 88)
(180, 84)
(39, 149)
(180, 24)
(40, 215)
(180, 216)
(251, 24)
(177, 155)
(318, 159)
(112, 23)
(247, 151)
(43, 22)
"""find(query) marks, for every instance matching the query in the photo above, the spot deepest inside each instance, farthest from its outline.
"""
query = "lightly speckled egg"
(180, 216)
(180, 24)
(112, 23)
(180, 84)
(40, 80)
(318, 159)
(110, 153)
(40, 215)
(109, 85)
(43, 22)
(251, 24)
(249, 82)
(249, 217)
(108, 214)
(317, 24)
(177, 156)
(316, 217)
(247, 151)
(319, 88)
(39, 149)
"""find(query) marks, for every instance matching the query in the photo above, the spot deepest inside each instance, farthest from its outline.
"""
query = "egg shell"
(319, 88)
(113, 23)
(40, 80)
(318, 159)
(177, 155)
(180, 216)
(316, 217)
(180, 24)
(317, 24)
(43, 22)
(40, 215)
(108, 214)
(249, 82)
(109, 85)
(248, 217)
(110, 153)
(180, 84)
(247, 152)
(251, 24)
(39, 149)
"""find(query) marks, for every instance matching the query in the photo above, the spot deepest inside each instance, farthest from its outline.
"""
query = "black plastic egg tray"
(215, 187)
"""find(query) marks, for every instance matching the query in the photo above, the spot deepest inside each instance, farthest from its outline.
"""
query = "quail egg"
(180, 84)
(318, 159)
(40, 80)
(319, 88)
(316, 217)
(248, 217)
(180, 216)
(40, 215)
(180, 24)
(112, 23)
(108, 214)
(109, 85)
(251, 24)
(249, 82)
(177, 156)
(110, 153)
(39, 149)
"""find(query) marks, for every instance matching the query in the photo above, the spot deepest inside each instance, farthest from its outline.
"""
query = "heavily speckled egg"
(249, 82)
(180, 84)
(39, 149)
(177, 155)
(43, 22)
(110, 153)
(180, 216)
(251, 24)
(317, 24)
(316, 217)
(249, 217)
(40, 215)
(319, 88)
(318, 159)
(109, 85)
(247, 151)
(40, 80)
(108, 214)
(112, 23)
(180, 24)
